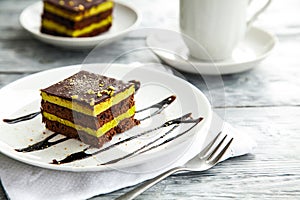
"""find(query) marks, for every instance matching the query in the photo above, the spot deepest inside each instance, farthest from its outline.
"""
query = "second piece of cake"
(76, 18)
(90, 107)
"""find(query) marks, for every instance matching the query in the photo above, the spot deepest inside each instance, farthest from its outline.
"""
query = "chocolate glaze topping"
(75, 6)
(85, 87)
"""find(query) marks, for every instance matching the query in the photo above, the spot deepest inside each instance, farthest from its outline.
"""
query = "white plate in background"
(125, 19)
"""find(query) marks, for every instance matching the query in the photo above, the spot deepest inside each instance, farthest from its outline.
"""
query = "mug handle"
(257, 13)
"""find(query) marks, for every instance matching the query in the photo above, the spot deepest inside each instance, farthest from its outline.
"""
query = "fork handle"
(146, 185)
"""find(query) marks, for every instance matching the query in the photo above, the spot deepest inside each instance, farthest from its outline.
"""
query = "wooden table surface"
(264, 101)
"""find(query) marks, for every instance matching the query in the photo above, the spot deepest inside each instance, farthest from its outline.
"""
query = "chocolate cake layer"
(92, 29)
(90, 34)
(86, 120)
(87, 138)
(95, 32)
(74, 25)
(123, 126)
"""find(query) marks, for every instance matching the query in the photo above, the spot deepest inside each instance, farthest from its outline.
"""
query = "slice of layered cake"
(76, 18)
(90, 107)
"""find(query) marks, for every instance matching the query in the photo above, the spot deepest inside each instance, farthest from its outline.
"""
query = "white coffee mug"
(213, 28)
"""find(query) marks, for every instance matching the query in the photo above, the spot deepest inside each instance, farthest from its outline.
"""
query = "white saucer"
(169, 46)
(126, 18)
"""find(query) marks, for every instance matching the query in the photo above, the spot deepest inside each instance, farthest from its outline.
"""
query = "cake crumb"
(92, 102)
(111, 88)
(90, 91)
(80, 7)
(74, 96)
(99, 94)
(71, 3)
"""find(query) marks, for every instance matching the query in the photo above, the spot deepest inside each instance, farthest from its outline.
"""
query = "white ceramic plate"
(126, 18)
(170, 47)
(22, 97)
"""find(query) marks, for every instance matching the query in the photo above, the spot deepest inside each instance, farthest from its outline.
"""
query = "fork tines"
(210, 154)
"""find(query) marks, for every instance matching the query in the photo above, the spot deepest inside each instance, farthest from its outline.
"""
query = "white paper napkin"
(22, 181)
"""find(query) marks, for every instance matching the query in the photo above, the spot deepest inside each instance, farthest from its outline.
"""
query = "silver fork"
(206, 159)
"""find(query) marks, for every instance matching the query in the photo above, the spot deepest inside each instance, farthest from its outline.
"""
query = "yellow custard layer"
(97, 133)
(92, 110)
(77, 17)
(50, 25)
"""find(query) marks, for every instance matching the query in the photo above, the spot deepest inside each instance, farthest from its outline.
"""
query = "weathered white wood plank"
(32, 55)
(272, 172)
(8, 78)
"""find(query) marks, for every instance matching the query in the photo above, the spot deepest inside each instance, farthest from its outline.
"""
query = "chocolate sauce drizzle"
(141, 148)
(73, 157)
(23, 118)
(196, 121)
(44, 144)
(139, 151)
(82, 154)
(160, 105)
